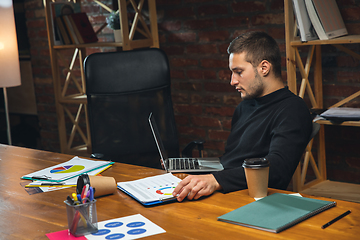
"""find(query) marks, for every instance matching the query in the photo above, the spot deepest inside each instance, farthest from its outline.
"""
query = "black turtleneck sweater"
(276, 126)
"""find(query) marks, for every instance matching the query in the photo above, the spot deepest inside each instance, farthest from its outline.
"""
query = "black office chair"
(299, 176)
(122, 89)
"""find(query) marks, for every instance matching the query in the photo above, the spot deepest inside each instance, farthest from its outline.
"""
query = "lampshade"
(9, 56)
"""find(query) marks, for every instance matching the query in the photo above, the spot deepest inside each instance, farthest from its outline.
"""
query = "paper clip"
(43, 177)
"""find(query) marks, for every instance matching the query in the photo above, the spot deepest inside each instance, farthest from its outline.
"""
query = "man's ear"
(264, 68)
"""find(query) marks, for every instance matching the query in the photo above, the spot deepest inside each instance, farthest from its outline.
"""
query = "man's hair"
(258, 46)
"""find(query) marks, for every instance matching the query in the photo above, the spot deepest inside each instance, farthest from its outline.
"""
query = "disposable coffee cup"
(102, 185)
(257, 176)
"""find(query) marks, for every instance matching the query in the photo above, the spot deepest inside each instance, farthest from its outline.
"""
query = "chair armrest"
(187, 151)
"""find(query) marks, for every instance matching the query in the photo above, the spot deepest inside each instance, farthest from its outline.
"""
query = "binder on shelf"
(56, 10)
(276, 212)
(326, 18)
(306, 29)
(84, 27)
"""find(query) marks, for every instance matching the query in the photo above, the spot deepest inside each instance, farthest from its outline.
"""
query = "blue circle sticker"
(136, 231)
(135, 224)
(113, 224)
(115, 236)
(101, 232)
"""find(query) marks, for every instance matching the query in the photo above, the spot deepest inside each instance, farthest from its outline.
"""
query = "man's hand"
(195, 186)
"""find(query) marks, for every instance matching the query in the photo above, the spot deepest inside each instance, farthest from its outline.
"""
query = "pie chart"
(165, 191)
(67, 169)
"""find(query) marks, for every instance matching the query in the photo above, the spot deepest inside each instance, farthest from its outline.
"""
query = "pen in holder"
(82, 217)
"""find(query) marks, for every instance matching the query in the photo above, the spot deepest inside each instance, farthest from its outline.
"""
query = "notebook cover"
(84, 27)
(76, 30)
(330, 18)
(276, 212)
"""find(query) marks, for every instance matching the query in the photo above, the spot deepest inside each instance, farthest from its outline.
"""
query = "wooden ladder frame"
(70, 92)
(294, 62)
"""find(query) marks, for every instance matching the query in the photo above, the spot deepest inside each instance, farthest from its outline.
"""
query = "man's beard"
(256, 89)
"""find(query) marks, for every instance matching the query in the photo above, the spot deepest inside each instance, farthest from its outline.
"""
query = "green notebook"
(276, 212)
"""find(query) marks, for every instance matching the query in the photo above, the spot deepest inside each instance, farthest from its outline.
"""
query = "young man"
(270, 122)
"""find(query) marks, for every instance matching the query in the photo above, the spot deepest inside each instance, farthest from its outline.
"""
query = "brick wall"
(195, 35)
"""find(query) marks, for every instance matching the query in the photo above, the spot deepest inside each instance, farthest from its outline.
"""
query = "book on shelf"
(63, 34)
(70, 29)
(306, 29)
(276, 212)
(84, 27)
(77, 33)
(58, 9)
(326, 18)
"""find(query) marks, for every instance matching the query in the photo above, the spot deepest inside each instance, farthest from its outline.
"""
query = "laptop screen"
(159, 143)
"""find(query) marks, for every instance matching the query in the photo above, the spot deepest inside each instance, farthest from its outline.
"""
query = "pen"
(46, 184)
(91, 190)
(79, 198)
(77, 214)
(70, 200)
(51, 184)
(84, 192)
(336, 219)
(91, 198)
(75, 197)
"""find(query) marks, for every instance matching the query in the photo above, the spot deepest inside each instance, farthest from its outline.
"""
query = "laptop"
(184, 165)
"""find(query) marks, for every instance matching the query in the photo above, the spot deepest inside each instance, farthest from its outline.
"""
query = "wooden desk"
(25, 216)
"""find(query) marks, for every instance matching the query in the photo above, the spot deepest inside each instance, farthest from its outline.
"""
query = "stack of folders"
(318, 19)
(341, 114)
(66, 174)
(276, 212)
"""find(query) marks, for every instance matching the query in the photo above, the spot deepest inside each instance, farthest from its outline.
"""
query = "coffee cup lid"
(256, 163)
(83, 179)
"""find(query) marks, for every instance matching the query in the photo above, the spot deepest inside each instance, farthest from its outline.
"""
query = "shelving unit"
(320, 185)
(70, 98)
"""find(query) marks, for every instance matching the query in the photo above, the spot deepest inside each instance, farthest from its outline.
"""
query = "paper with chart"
(151, 189)
(130, 227)
(46, 186)
(63, 171)
(124, 228)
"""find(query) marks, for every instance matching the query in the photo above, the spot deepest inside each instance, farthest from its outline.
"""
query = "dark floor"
(24, 130)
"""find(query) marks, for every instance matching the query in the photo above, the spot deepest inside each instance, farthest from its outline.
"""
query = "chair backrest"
(315, 130)
(122, 89)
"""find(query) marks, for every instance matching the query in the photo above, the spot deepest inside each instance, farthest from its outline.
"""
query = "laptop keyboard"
(183, 163)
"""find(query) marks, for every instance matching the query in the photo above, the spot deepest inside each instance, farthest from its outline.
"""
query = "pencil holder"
(82, 218)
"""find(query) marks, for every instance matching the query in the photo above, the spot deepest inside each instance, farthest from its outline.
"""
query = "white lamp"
(9, 55)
